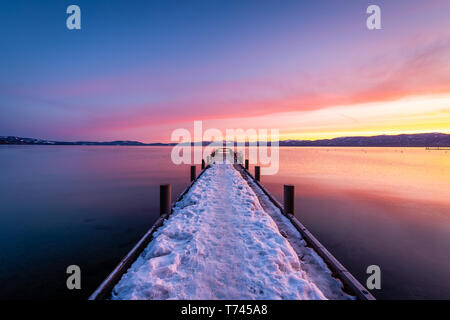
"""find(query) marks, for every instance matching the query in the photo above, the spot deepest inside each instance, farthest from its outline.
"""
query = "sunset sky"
(137, 70)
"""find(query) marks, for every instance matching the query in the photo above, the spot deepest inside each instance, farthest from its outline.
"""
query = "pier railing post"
(257, 173)
(289, 199)
(246, 164)
(193, 173)
(165, 199)
(203, 164)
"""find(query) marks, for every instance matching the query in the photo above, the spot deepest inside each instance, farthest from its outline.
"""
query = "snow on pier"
(221, 243)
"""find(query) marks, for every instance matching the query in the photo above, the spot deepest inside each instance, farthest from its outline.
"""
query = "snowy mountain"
(401, 140)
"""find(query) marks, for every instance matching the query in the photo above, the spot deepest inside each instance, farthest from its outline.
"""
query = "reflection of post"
(246, 164)
(257, 173)
(288, 199)
(165, 199)
(193, 173)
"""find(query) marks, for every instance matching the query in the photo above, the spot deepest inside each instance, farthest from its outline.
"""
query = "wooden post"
(165, 199)
(257, 173)
(193, 173)
(246, 164)
(288, 199)
(203, 164)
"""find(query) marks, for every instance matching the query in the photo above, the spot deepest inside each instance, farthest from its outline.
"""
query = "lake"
(89, 205)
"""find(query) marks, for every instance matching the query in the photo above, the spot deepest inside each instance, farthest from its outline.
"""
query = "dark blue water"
(63, 205)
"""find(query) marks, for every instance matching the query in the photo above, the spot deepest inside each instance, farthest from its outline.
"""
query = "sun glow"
(418, 114)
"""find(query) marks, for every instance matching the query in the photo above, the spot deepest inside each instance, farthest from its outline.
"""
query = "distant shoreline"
(167, 146)
(420, 140)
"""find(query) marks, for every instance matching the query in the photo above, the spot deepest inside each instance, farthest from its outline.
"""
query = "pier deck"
(227, 238)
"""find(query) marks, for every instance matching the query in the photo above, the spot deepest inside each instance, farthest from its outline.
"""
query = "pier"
(437, 148)
(227, 237)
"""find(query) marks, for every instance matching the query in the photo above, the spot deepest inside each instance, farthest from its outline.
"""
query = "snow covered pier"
(227, 238)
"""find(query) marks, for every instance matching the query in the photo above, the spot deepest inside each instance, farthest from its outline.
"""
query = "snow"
(313, 265)
(220, 243)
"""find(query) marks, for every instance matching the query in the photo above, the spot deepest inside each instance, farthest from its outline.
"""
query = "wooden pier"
(437, 148)
(351, 285)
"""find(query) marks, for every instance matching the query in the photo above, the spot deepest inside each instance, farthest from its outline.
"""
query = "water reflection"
(384, 206)
(66, 205)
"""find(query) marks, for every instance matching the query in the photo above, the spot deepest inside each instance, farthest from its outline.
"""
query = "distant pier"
(437, 148)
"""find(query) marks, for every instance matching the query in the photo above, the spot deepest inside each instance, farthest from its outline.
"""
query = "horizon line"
(203, 141)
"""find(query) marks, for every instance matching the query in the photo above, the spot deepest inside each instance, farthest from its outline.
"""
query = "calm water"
(63, 205)
(384, 206)
(89, 206)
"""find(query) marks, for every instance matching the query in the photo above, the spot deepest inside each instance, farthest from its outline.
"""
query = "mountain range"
(401, 140)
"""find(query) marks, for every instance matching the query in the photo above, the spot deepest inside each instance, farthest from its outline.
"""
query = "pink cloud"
(417, 70)
(424, 71)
